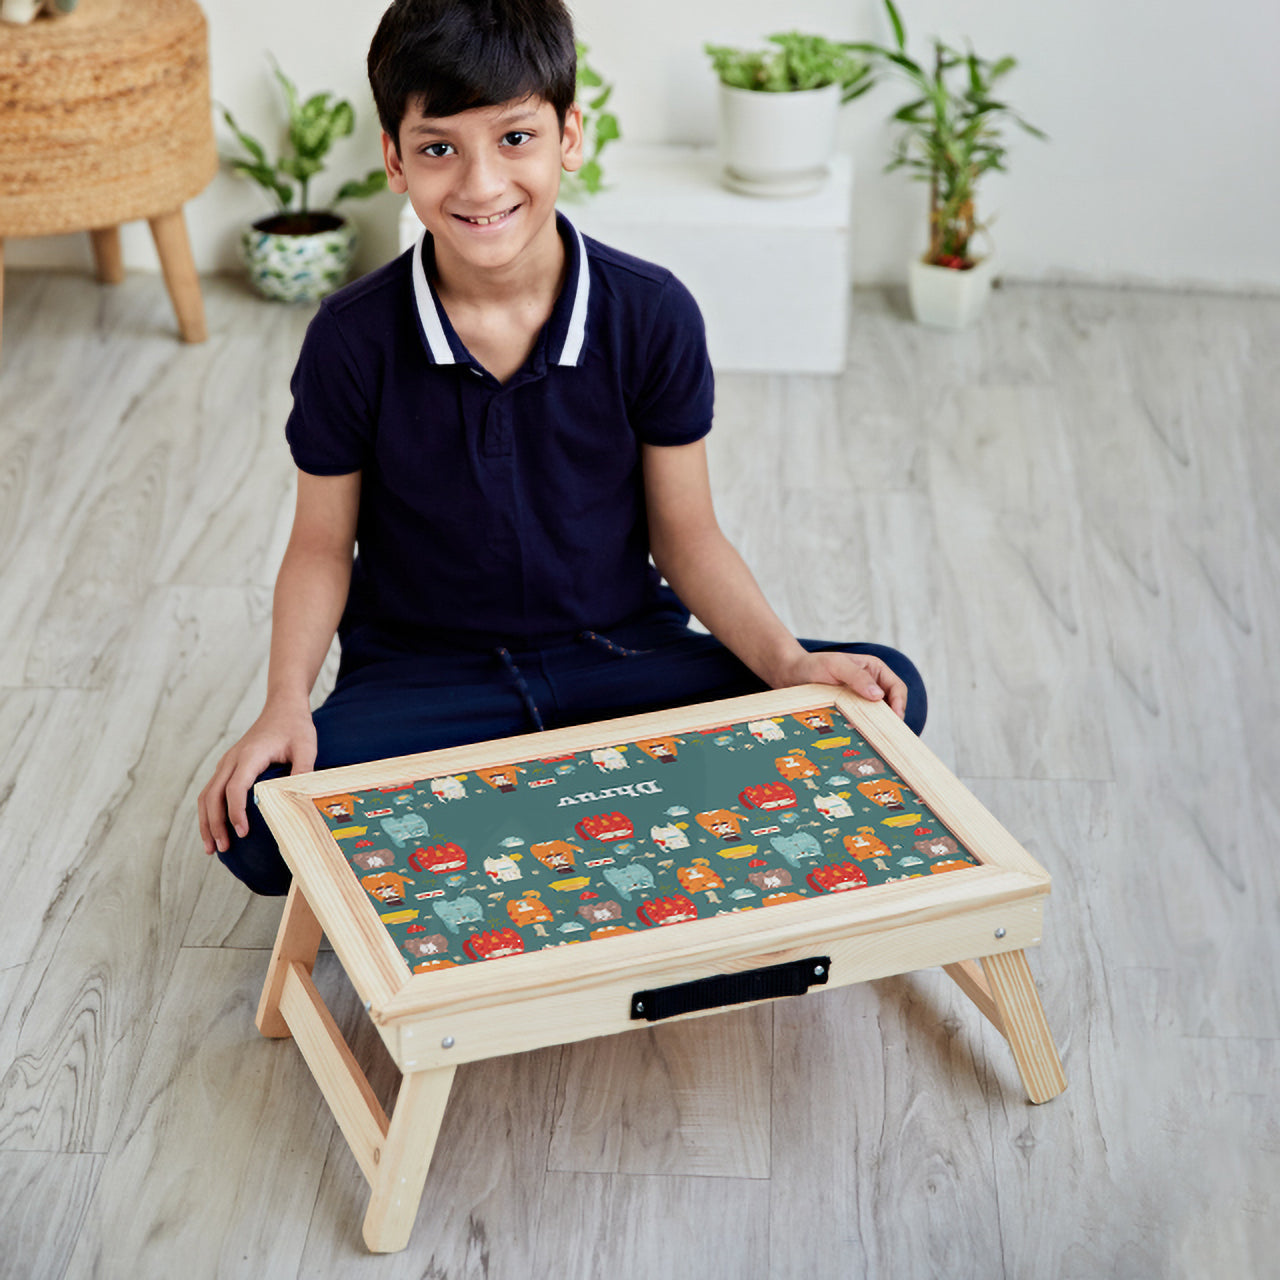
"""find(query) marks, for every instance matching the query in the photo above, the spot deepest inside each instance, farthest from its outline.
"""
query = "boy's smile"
(484, 183)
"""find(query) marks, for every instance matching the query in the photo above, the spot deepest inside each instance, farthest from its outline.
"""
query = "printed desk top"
(619, 839)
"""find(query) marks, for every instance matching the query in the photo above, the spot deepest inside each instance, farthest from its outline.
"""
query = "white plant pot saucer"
(793, 184)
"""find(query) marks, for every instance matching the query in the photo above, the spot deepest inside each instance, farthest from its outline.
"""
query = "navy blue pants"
(388, 702)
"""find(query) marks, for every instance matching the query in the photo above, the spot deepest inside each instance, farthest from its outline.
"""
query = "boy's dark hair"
(452, 55)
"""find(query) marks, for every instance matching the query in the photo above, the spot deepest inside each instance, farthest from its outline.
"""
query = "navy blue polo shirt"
(493, 513)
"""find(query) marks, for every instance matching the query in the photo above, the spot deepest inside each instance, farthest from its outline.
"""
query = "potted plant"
(951, 134)
(300, 254)
(778, 110)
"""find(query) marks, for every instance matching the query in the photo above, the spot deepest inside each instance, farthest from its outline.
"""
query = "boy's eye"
(516, 138)
(437, 149)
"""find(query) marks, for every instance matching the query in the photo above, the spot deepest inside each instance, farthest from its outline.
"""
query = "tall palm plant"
(951, 133)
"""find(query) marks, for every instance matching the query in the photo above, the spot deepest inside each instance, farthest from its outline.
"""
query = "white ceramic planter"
(297, 268)
(945, 298)
(777, 144)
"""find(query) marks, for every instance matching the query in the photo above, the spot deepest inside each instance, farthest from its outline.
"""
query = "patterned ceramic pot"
(290, 264)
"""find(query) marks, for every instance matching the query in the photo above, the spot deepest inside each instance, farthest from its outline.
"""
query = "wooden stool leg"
(1013, 991)
(297, 941)
(107, 255)
(169, 231)
(406, 1157)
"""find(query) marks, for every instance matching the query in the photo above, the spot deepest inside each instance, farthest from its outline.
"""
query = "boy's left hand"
(866, 675)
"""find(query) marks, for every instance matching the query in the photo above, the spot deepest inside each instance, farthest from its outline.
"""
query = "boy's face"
(484, 182)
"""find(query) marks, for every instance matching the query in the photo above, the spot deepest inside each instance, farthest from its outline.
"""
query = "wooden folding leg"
(405, 1158)
(1003, 989)
(297, 941)
(169, 231)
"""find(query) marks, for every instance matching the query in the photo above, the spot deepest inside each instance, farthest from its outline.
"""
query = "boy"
(503, 425)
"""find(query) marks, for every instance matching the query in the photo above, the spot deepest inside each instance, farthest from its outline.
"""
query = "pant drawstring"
(522, 687)
(594, 637)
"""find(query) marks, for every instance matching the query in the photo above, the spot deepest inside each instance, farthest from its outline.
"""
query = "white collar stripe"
(441, 352)
(571, 352)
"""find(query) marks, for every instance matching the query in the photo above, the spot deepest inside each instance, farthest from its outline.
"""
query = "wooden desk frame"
(975, 922)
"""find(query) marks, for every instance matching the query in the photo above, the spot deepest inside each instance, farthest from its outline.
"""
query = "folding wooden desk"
(548, 888)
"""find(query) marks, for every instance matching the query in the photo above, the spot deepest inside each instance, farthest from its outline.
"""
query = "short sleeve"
(677, 388)
(330, 427)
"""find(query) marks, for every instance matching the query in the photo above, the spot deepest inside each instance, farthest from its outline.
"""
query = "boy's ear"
(571, 140)
(395, 169)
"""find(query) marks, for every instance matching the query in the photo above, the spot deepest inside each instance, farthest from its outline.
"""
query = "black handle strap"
(792, 979)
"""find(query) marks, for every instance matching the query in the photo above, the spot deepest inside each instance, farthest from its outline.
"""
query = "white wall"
(1165, 124)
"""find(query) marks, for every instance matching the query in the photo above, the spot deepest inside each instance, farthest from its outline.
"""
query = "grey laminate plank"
(227, 915)
(905, 566)
(880, 1146)
(1232, 1224)
(683, 1099)
(214, 1167)
(43, 1199)
(1012, 603)
(597, 1225)
(1073, 1187)
(99, 949)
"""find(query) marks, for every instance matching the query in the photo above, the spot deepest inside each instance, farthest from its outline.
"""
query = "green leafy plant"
(314, 125)
(798, 62)
(951, 134)
(599, 128)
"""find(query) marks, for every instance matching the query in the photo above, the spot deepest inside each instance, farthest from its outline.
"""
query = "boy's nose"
(482, 182)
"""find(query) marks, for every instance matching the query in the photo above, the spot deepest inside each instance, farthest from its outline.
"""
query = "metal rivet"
(368, 1004)
(639, 1006)
(447, 1042)
(1000, 932)
(818, 971)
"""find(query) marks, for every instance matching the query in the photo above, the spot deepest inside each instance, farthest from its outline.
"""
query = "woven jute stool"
(105, 118)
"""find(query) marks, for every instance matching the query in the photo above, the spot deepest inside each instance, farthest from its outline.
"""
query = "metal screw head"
(639, 1006)
(1000, 932)
(818, 971)
(447, 1042)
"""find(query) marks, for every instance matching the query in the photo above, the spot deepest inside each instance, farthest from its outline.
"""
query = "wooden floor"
(1069, 516)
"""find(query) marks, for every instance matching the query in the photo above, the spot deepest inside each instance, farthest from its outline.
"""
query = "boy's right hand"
(280, 735)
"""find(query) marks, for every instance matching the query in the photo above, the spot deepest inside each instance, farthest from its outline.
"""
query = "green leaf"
(606, 129)
(315, 106)
(597, 103)
(591, 176)
(253, 147)
(901, 60)
(857, 92)
(373, 182)
(976, 84)
(290, 91)
(899, 31)
(343, 119)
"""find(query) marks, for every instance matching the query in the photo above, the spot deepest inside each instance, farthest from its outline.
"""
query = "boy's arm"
(714, 583)
(311, 591)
